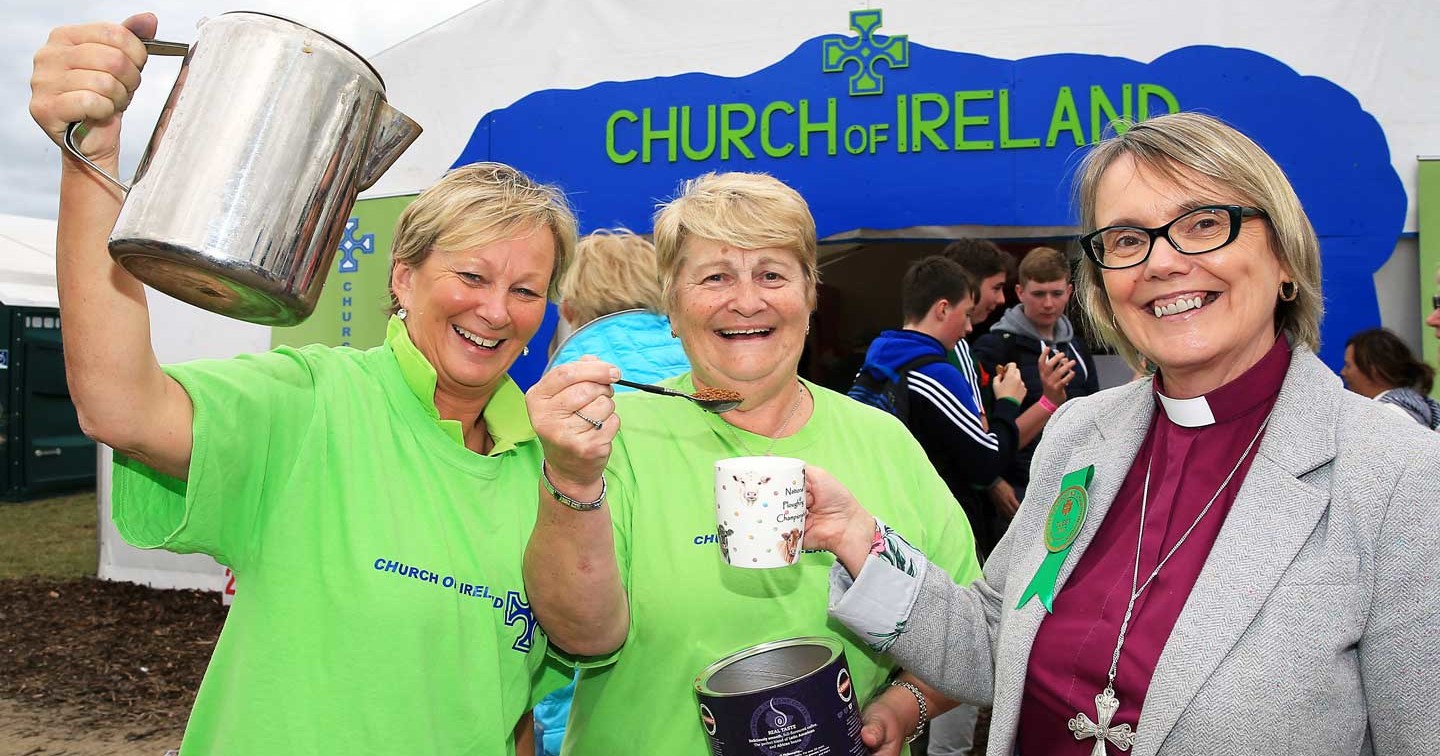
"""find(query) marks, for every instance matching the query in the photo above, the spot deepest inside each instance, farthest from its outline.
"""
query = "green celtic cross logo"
(866, 50)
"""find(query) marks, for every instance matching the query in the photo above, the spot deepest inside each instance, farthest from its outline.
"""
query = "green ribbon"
(1067, 514)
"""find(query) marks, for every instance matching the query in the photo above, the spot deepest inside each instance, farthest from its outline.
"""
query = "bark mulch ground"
(114, 653)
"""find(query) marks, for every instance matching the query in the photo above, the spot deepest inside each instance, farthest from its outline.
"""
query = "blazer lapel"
(1116, 441)
(1273, 516)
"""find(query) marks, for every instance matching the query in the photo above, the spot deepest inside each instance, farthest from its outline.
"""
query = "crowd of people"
(1229, 554)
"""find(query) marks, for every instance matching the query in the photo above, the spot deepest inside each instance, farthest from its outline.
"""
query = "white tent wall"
(179, 333)
(501, 50)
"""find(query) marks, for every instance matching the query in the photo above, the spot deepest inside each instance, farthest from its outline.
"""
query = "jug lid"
(343, 46)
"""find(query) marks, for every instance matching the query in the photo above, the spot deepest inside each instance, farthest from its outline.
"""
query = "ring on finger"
(597, 423)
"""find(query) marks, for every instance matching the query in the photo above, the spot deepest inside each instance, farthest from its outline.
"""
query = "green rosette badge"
(1062, 526)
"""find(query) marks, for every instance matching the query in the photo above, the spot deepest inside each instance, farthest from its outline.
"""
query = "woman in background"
(1380, 366)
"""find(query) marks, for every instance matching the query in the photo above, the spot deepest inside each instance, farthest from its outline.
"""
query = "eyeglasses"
(1204, 229)
(1435, 302)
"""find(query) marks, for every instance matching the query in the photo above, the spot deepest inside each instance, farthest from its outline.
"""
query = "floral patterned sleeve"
(876, 604)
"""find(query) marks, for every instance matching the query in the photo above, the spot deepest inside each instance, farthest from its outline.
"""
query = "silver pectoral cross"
(1105, 707)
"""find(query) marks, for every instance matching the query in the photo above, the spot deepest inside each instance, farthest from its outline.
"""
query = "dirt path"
(26, 730)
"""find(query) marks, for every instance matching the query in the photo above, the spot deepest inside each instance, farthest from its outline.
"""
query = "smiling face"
(992, 295)
(471, 312)
(741, 314)
(1204, 319)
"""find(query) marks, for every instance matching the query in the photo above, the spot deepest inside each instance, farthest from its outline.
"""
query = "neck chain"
(779, 432)
(1106, 704)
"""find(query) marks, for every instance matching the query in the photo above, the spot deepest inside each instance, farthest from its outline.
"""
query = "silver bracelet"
(575, 504)
(924, 710)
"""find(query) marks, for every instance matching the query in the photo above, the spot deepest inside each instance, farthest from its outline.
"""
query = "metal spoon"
(709, 405)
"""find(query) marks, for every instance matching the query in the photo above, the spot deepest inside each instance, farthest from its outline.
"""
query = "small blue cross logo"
(865, 51)
(517, 612)
(353, 242)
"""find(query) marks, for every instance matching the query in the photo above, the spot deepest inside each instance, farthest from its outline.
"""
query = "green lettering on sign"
(732, 136)
(926, 127)
(1171, 105)
(685, 129)
(649, 134)
(1100, 105)
(962, 121)
(1065, 118)
(829, 126)
(765, 118)
(619, 158)
(1006, 142)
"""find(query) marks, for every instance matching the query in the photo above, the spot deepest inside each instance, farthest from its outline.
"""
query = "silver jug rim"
(344, 46)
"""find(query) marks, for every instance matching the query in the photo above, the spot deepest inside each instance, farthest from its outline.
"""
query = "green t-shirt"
(687, 608)
(379, 602)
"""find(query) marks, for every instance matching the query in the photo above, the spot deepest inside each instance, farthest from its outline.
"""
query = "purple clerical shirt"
(1070, 660)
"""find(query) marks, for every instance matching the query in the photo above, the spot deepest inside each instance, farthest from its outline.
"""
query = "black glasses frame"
(1238, 214)
(1435, 302)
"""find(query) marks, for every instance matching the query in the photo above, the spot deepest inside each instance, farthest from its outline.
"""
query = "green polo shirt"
(379, 602)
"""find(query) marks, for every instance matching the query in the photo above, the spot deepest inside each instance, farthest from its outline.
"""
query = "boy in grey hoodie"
(1033, 330)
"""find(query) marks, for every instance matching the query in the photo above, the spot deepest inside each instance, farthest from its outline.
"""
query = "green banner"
(1427, 202)
(354, 305)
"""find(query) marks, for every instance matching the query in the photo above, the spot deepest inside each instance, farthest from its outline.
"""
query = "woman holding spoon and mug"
(633, 582)
(369, 503)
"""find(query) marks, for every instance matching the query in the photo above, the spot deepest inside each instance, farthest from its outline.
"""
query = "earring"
(525, 351)
(1288, 291)
(402, 313)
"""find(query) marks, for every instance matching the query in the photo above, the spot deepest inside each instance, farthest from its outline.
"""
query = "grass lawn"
(48, 537)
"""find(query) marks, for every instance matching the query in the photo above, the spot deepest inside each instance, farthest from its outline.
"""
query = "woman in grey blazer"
(1234, 557)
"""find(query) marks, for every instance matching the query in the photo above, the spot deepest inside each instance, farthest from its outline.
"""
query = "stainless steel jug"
(242, 195)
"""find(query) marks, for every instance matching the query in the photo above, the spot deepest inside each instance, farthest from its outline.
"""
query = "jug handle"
(153, 47)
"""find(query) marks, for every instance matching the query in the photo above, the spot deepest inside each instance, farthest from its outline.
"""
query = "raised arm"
(88, 73)
(571, 572)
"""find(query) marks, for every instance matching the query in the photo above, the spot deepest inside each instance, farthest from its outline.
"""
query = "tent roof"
(27, 262)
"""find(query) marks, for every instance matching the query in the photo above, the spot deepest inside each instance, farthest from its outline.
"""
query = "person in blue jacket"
(610, 297)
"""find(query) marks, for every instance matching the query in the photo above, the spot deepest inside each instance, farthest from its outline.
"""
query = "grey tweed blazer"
(1314, 627)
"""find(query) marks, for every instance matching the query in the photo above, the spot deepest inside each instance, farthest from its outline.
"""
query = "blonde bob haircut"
(738, 210)
(1208, 154)
(481, 204)
(613, 270)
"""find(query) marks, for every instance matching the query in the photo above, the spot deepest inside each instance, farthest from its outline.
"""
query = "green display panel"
(1428, 205)
(354, 306)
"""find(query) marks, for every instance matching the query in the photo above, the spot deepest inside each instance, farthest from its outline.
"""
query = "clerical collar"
(1252, 388)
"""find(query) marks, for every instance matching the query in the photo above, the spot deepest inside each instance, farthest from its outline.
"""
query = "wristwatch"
(575, 504)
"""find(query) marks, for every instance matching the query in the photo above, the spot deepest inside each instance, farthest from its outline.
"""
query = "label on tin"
(814, 716)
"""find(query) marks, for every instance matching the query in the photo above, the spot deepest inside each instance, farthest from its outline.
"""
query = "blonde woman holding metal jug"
(372, 504)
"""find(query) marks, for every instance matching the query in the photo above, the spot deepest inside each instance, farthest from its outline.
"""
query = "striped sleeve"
(967, 368)
(952, 408)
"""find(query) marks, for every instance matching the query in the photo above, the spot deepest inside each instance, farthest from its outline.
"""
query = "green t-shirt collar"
(745, 442)
(505, 415)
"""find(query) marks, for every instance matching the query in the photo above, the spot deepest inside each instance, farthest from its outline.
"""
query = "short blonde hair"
(613, 270)
(479, 204)
(739, 210)
(1181, 146)
(1044, 265)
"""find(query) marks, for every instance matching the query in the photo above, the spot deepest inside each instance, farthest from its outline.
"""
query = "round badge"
(1066, 515)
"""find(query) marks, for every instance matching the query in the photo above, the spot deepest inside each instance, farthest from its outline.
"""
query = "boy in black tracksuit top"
(1037, 324)
(937, 297)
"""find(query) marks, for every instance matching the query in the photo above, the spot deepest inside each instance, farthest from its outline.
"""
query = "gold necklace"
(795, 407)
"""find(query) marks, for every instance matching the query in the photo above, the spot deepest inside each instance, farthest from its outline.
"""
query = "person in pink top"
(1234, 556)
